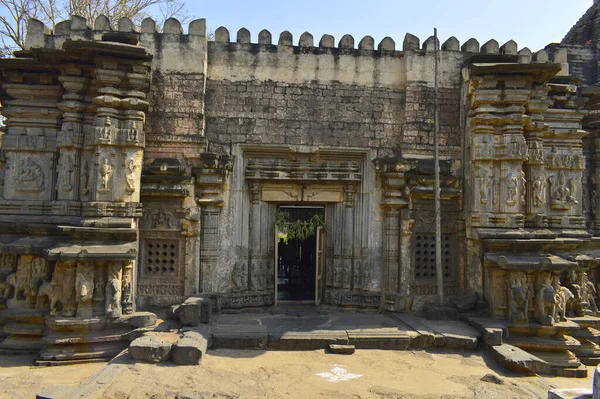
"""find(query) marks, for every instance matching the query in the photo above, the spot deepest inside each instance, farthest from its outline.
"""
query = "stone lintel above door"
(302, 193)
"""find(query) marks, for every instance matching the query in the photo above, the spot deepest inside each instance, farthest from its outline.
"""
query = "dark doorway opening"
(297, 259)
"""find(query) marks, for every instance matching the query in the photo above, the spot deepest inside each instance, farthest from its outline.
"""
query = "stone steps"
(74, 337)
(22, 344)
(96, 351)
(563, 363)
(544, 344)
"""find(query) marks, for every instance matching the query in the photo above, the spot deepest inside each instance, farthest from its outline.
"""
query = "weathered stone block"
(194, 311)
(518, 360)
(190, 349)
(306, 40)
(452, 44)
(342, 349)
(265, 37)
(152, 347)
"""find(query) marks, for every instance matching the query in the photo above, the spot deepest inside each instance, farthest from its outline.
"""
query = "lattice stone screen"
(161, 258)
(424, 250)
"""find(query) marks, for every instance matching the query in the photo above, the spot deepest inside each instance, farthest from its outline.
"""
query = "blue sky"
(531, 23)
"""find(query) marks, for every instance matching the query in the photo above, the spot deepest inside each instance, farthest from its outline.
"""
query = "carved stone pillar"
(210, 179)
(397, 230)
(347, 262)
(536, 191)
(257, 265)
(30, 140)
(564, 162)
(70, 137)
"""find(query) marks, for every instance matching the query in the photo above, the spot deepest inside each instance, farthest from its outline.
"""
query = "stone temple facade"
(142, 167)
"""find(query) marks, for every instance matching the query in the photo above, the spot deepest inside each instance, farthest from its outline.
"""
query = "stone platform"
(297, 328)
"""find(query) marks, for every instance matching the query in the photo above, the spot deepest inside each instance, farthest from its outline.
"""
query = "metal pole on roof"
(439, 271)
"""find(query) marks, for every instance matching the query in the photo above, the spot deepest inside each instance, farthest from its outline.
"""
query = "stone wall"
(254, 112)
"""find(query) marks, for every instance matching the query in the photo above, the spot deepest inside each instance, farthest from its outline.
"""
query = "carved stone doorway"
(299, 261)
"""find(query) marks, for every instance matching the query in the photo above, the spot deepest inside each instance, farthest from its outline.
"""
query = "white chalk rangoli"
(338, 374)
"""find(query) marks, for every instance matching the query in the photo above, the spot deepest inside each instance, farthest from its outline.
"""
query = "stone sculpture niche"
(518, 298)
(546, 299)
(82, 289)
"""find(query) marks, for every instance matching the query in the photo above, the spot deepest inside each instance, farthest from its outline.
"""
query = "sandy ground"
(258, 374)
(20, 380)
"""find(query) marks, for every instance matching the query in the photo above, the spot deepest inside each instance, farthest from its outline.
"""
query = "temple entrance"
(299, 253)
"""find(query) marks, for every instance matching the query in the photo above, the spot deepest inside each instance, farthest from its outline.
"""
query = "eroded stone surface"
(152, 347)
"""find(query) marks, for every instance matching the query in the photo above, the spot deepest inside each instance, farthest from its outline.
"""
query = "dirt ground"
(258, 374)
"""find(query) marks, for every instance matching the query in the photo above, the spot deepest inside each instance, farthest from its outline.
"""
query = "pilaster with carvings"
(30, 95)
(397, 231)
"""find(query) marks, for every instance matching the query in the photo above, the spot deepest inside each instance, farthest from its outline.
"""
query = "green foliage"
(298, 229)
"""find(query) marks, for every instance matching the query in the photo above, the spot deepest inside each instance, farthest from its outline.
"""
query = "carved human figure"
(126, 293)
(67, 172)
(99, 297)
(545, 300)
(518, 299)
(512, 184)
(39, 274)
(588, 294)
(105, 174)
(113, 290)
(485, 184)
(84, 282)
(258, 275)
(238, 277)
(594, 202)
(539, 191)
(130, 177)
(522, 187)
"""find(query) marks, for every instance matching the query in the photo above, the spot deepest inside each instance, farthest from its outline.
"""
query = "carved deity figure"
(105, 174)
(485, 184)
(562, 192)
(536, 153)
(130, 177)
(545, 300)
(512, 186)
(518, 294)
(29, 176)
(113, 290)
(84, 282)
(539, 191)
(126, 294)
(67, 172)
(98, 299)
(258, 275)
(588, 293)
(238, 277)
